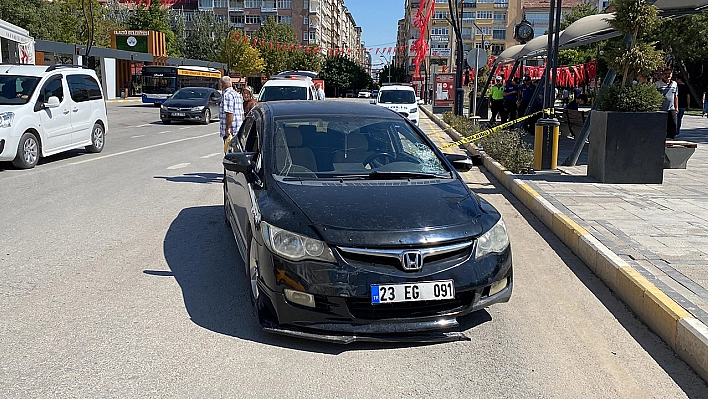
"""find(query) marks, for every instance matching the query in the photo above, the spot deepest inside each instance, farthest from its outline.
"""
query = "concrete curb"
(686, 335)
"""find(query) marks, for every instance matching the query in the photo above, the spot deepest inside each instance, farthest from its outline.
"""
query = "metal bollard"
(545, 148)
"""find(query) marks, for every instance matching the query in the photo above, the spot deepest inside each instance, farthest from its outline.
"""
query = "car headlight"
(493, 241)
(163, 107)
(414, 110)
(199, 108)
(295, 246)
(6, 119)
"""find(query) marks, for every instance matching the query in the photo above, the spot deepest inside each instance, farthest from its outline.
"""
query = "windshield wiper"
(407, 175)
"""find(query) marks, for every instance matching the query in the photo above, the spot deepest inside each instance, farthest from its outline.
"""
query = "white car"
(288, 86)
(364, 94)
(47, 110)
(399, 98)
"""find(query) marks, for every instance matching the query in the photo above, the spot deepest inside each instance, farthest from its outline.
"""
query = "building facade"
(536, 12)
(487, 24)
(324, 23)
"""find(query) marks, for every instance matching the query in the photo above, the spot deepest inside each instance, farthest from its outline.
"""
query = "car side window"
(251, 141)
(92, 88)
(53, 88)
(216, 96)
(241, 138)
(76, 88)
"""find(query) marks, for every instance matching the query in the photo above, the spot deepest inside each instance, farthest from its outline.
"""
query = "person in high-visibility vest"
(496, 98)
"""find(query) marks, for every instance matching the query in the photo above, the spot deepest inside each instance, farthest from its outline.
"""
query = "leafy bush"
(641, 97)
(460, 123)
(508, 148)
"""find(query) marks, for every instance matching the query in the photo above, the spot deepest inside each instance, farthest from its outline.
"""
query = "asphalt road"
(120, 279)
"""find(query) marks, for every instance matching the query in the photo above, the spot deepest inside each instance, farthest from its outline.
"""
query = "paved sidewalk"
(639, 238)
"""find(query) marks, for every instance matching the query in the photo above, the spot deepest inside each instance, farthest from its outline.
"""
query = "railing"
(237, 24)
(314, 25)
(236, 8)
(269, 9)
(501, 5)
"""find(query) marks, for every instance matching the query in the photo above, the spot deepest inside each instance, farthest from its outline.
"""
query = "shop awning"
(15, 33)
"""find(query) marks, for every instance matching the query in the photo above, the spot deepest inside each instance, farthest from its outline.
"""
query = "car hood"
(388, 213)
(180, 103)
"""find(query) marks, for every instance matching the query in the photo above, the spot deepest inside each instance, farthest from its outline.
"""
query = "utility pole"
(455, 21)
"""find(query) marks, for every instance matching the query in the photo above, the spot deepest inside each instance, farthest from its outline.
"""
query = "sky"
(378, 20)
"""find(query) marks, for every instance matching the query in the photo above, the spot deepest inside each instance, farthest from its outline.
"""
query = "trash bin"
(545, 149)
(123, 93)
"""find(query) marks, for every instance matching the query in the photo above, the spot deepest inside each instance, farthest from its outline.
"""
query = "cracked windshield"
(341, 146)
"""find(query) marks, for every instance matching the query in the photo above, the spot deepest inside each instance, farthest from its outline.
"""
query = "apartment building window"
(500, 17)
(440, 31)
(306, 21)
(497, 49)
(415, 5)
(469, 4)
(237, 19)
(537, 18)
(285, 19)
(501, 3)
(468, 17)
(467, 33)
(236, 4)
(499, 34)
(485, 30)
(221, 3)
(285, 4)
(484, 15)
(440, 15)
(306, 4)
(312, 36)
(253, 19)
(206, 3)
(485, 1)
(441, 1)
(253, 3)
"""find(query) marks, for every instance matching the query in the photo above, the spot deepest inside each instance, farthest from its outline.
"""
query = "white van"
(47, 110)
(290, 85)
(399, 98)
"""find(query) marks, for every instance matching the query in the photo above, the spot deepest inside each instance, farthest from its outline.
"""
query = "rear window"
(279, 93)
(83, 88)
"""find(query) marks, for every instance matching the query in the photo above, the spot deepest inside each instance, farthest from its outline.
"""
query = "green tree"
(276, 60)
(178, 28)
(205, 39)
(310, 60)
(240, 56)
(576, 13)
(154, 17)
(398, 74)
(341, 74)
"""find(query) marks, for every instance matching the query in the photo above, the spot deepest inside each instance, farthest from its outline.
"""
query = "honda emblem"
(412, 260)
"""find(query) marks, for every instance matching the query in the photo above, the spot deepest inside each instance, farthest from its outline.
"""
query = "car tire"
(27, 152)
(166, 121)
(207, 117)
(226, 209)
(252, 271)
(98, 138)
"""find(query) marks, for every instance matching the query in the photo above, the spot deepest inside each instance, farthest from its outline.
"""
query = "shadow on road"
(203, 178)
(204, 259)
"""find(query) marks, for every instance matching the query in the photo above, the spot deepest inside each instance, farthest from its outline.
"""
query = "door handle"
(66, 111)
(75, 110)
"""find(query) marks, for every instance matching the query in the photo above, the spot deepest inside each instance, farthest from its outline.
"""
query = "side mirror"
(52, 102)
(461, 163)
(239, 162)
(373, 101)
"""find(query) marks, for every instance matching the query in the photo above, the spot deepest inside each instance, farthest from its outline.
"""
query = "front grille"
(363, 309)
(391, 258)
(177, 109)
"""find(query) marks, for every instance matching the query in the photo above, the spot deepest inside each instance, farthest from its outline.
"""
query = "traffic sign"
(478, 57)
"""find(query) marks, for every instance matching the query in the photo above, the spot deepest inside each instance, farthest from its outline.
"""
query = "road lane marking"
(212, 155)
(143, 125)
(186, 127)
(166, 131)
(140, 135)
(143, 148)
(178, 166)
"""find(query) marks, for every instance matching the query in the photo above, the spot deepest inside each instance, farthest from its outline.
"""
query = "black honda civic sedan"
(353, 226)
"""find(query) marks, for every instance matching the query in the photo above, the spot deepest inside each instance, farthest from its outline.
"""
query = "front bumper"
(343, 311)
(187, 115)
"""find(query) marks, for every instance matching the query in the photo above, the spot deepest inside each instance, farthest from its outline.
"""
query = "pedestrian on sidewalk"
(511, 96)
(230, 111)
(669, 89)
(248, 101)
(320, 91)
(684, 99)
(527, 89)
(705, 102)
(496, 99)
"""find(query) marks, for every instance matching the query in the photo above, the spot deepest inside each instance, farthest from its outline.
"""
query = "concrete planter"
(627, 147)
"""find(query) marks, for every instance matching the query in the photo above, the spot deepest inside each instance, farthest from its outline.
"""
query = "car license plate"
(178, 114)
(410, 292)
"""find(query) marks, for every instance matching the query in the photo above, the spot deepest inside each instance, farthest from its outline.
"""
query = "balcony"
(268, 7)
(237, 24)
(236, 6)
(314, 25)
(501, 5)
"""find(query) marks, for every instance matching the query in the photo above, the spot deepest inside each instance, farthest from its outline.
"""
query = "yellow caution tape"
(487, 132)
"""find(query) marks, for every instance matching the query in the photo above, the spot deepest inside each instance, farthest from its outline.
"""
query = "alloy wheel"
(30, 150)
(253, 269)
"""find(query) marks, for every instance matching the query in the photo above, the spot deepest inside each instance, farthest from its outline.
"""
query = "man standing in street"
(230, 111)
(669, 90)
(320, 91)
(496, 99)
(511, 96)
(684, 98)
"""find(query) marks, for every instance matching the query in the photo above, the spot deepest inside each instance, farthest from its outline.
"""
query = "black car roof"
(297, 108)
